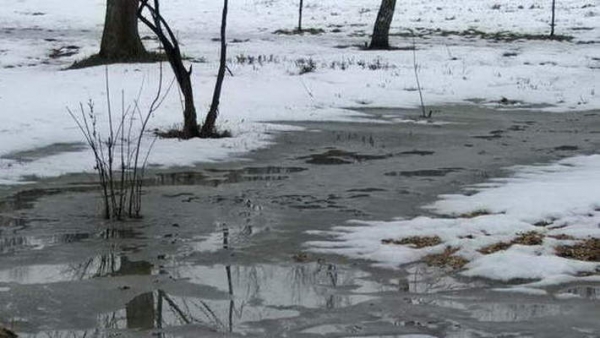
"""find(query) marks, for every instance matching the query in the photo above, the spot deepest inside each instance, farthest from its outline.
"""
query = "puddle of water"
(336, 157)
(424, 173)
(509, 312)
(311, 285)
(217, 177)
(418, 152)
(10, 243)
(10, 221)
(423, 279)
(110, 264)
(161, 310)
(584, 292)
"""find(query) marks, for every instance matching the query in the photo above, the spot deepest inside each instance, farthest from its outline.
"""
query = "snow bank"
(557, 202)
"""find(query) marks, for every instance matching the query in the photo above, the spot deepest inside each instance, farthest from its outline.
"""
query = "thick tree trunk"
(120, 38)
(380, 39)
(190, 122)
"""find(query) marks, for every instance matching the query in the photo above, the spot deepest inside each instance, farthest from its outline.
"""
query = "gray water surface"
(65, 272)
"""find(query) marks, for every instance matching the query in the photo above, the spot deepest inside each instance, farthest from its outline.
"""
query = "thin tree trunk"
(301, 7)
(553, 18)
(208, 128)
(120, 38)
(381, 32)
(171, 47)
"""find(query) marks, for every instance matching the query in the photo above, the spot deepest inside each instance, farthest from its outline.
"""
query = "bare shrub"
(119, 160)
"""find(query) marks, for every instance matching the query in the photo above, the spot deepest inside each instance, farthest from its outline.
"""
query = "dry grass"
(562, 237)
(525, 238)
(446, 259)
(416, 242)
(475, 213)
(490, 249)
(588, 250)
(529, 238)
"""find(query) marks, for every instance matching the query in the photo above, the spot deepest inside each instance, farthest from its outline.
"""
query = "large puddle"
(220, 251)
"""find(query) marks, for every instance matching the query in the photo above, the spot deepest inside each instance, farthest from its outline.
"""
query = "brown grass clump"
(446, 259)
(416, 242)
(525, 238)
(529, 238)
(588, 250)
(476, 213)
(490, 249)
(562, 237)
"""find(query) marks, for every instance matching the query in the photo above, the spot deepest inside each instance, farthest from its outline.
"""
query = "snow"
(558, 194)
(35, 92)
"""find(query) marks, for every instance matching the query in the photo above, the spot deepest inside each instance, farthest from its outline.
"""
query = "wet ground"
(220, 248)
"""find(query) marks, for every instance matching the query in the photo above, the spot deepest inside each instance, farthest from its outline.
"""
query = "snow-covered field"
(35, 91)
(266, 86)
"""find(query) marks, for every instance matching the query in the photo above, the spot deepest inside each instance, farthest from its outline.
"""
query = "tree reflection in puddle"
(582, 291)
(105, 264)
(423, 279)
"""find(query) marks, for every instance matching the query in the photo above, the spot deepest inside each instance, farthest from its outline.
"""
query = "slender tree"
(300, 8)
(120, 38)
(157, 23)
(208, 128)
(381, 32)
(553, 18)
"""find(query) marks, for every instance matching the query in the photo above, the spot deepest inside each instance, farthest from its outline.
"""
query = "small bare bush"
(120, 160)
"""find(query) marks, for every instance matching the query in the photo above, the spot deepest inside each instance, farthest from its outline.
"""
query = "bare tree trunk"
(301, 7)
(381, 32)
(553, 18)
(208, 128)
(120, 38)
(169, 42)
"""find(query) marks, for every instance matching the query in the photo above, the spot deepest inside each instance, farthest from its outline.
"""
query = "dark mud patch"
(566, 148)
(367, 190)
(499, 36)
(337, 157)
(63, 51)
(493, 135)
(418, 152)
(424, 173)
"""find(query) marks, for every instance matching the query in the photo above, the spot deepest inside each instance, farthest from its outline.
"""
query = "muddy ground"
(64, 272)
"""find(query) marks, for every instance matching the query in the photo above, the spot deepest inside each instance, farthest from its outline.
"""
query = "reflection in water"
(584, 291)
(9, 244)
(309, 285)
(424, 279)
(512, 312)
(220, 176)
(255, 293)
(12, 243)
(9, 221)
(111, 262)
